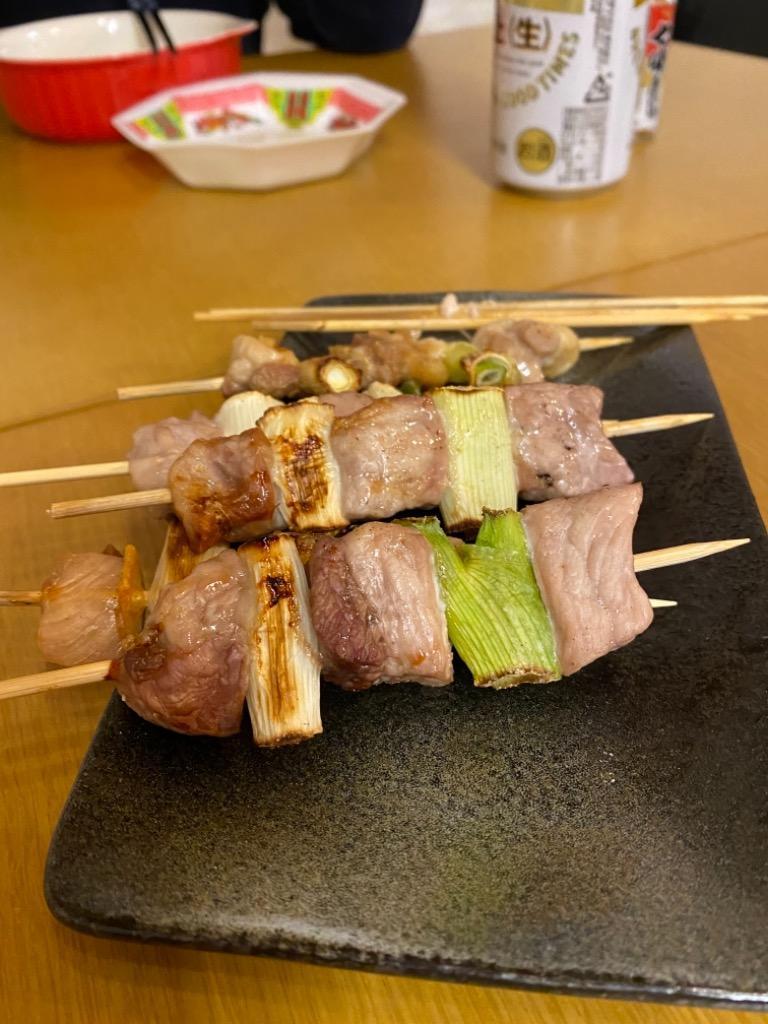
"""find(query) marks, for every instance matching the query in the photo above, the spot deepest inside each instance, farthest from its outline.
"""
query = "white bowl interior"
(111, 34)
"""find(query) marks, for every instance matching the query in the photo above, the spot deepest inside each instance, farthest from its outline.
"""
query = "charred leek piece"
(481, 464)
(321, 374)
(284, 690)
(177, 560)
(305, 469)
(496, 619)
(243, 411)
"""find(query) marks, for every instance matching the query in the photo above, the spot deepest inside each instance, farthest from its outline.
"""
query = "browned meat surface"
(528, 343)
(378, 355)
(255, 365)
(582, 555)
(79, 621)
(346, 402)
(561, 448)
(188, 670)
(222, 489)
(157, 446)
(377, 610)
(392, 456)
(394, 356)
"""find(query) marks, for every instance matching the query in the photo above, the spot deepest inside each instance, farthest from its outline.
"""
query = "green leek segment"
(496, 618)
(481, 461)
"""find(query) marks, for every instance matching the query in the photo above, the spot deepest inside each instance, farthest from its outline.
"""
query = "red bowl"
(65, 78)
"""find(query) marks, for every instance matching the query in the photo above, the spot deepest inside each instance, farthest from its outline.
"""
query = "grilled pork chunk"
(392, 455)
(222, 489)
(80, 615)
(345, 403)
(257, 365)
(188, 670)
(581, 550)
(561, 448)
(390, 357)
(377, 610)
(157, 446)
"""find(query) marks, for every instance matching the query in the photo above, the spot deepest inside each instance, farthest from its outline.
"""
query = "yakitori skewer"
(612, 428)
(303, 468)
(502, 352)
(537, 644)
(450, 309)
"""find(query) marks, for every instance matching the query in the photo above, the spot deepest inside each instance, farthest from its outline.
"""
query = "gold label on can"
(564, 6)
(535, 150)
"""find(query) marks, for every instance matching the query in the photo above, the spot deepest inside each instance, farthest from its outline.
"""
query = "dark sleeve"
(353, 26)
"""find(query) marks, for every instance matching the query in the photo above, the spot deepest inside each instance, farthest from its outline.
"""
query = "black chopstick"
(137, 7)
(152, 7)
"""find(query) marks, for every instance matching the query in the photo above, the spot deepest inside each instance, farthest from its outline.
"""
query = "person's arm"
(353, 26)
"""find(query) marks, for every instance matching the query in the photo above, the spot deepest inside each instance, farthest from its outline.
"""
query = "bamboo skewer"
(265, 314)
(54, 473)
(616, 317)
(110, 503)
(56, 679)
(20, 597)
(81, 674)
(206, 384)
(612, 428)
(682, 553)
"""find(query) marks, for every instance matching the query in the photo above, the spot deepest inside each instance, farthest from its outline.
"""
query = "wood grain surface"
(105, 257)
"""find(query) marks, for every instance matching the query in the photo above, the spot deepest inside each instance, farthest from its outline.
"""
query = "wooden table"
(105, 258)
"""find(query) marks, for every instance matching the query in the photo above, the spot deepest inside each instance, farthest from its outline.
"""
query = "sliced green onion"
(456, 352)
(481, 463)
(491, 369)
(496, 618)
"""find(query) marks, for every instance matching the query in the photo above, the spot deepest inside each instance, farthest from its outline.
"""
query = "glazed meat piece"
(390, 357)
(529, 344)
(188, 670)
(80, 621)
(376, 608)
(392, 456)
(581, 550)
(378, 355)
(346, 402)
(222, 489)
(257, 365)
(561, 448)
(157, 446)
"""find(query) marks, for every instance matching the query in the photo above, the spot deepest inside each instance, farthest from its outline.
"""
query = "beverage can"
(566, 79)
(661, 22)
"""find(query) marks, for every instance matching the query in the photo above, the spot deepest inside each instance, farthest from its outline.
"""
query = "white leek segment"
(243, 411)
(177, 560)
(306, 472)
(377, 389)
(284, 690)
(481, 462)
(496, 618)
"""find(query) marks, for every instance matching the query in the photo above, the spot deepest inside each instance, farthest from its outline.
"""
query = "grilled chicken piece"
(377, 610)
(157, 446)
(581, 550)
(188, 670)
(90, 604)
(222, 489)
(537, 349)
(392, 456)
(390, 357)
(256, 364)
(345, 403)
(561, 448)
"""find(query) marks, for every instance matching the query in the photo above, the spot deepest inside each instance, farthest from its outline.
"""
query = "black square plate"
(605, 835)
